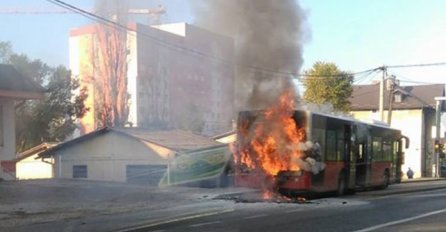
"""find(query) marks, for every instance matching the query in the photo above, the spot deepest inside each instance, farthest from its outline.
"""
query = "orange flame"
(269, 143)
(267, 195)
(273, 136)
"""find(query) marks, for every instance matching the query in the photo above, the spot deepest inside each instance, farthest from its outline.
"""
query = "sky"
(354, 34)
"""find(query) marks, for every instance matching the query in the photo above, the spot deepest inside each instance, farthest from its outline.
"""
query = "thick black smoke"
(269, 37)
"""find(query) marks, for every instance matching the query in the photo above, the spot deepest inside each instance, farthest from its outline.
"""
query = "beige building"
(13, 87)
(124, 155)
(178, 76)
(413, 112)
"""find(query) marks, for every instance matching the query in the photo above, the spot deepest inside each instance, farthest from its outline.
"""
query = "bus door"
(398, 157)
(362, 164)
(349, 157)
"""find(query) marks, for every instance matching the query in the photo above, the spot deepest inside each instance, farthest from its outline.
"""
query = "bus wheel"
(342, 185)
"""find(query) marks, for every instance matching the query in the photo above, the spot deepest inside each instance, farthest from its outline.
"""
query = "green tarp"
(196, 165)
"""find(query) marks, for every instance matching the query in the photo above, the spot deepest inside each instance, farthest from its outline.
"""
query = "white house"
(123, 155)
(28, 166)
(14, 87)
(413, 112)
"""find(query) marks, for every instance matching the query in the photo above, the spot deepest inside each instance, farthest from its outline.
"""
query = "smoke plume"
(268, 36)
(113, 10)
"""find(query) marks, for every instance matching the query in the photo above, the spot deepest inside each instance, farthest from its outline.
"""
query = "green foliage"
(5, 51)
(325, 83)
(53, 118)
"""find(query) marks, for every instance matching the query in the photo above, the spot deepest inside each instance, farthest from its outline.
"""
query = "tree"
(5, 51)
(112, 98)
(54, 117)
(111, 65)
(326, 83)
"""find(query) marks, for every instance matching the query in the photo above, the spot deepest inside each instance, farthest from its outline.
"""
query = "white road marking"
(294, 211)
(205, 223)
(256, 216)
(401, 221)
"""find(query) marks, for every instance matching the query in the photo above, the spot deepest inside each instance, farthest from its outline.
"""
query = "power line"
(361, 79)
(409, 80)
(119, 26)
(175, 47)
(421, 82)
(416, 65)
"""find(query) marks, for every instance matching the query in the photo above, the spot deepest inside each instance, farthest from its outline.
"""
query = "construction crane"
(154, 14)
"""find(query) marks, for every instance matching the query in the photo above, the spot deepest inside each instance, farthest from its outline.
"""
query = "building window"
(80, 171)
(398, 98)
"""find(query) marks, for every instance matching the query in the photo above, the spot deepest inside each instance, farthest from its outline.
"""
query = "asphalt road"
(418, 211)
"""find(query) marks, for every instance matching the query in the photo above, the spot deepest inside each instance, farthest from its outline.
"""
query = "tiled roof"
(366, 97)
(219, 136)
(34, 150)
(176, 140)
(13, 84)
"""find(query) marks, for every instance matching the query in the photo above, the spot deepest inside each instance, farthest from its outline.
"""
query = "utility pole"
(438, 110)
(381, 93)
(391, 85)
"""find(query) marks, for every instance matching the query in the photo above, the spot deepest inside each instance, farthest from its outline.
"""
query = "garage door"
(145, 174)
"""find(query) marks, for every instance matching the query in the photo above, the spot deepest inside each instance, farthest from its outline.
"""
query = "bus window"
(395, 151)
(318, 136)
(387, 151)
(377, 149)
(340, 150)
(331, 145)
(340, 146)
(360, 152)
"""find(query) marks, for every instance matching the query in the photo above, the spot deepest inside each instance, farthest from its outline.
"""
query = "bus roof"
(346, 118)
(374, 123)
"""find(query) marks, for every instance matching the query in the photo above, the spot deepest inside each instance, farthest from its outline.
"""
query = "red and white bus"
(354, 155)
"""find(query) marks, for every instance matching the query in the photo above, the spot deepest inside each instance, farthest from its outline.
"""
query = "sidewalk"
(424, 179)
(410, 186)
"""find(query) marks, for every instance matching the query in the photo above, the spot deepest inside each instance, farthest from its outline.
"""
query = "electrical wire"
(416, 65)
(421, 82)
(409, 80)
(175, 47)
(119, 26)
(365, 77)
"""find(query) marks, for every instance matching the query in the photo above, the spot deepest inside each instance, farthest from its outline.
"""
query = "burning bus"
(296, 151)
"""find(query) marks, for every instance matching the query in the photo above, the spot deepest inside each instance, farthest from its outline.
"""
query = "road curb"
(152, 223)
(396, 192)
(421, 180)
